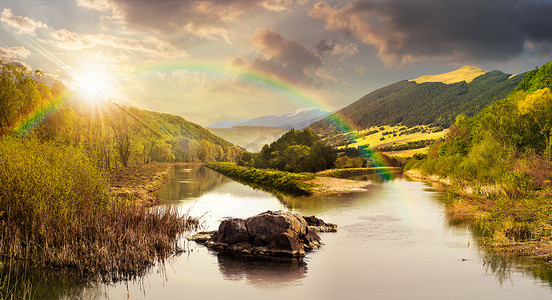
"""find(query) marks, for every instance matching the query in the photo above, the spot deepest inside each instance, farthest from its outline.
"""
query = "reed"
(56, 213)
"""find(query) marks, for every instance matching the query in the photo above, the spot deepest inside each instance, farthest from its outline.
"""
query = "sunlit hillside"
(407, 103)
(466, 73)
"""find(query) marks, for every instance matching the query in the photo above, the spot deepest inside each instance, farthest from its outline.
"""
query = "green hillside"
(500, 163)
(181, 140)
(111, 134)
(509, 143)
(409, 104)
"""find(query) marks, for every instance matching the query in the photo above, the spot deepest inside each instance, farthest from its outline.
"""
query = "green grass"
(373, 136)
(56, 213)
(267, 179)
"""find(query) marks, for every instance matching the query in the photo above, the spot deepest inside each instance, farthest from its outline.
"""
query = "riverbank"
(322, 185)
(82, 226)
(510, 226)
(139, 182)
(294, 184)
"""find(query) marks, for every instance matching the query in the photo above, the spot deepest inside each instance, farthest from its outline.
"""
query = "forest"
(112, 134)
(509, 142)
(295, 151)
(409, 104)
(499, 162)
(57, 150)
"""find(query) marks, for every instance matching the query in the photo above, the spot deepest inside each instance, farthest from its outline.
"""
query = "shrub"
(57, 213)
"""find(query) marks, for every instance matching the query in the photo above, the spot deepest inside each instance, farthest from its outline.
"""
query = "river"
(393, 242)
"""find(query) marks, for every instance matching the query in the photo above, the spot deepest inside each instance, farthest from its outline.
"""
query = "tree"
(538, 106)
(126, 133)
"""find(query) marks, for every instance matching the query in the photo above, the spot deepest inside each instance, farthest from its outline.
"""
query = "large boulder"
(270, 233)
(266, 227)
(232, 231)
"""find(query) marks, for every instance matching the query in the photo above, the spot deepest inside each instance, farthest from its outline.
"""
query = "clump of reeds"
(57, 214)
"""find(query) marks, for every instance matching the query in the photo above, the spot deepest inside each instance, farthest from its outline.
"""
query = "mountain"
(431, 101)
(296, 120)
(227, 124)
(466, 73)
(181, 140)
(251, 138)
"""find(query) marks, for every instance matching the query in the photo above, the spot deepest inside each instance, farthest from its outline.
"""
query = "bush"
(56, 212)
(43, 186)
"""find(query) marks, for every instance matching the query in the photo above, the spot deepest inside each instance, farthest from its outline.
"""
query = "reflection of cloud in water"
(262, 272)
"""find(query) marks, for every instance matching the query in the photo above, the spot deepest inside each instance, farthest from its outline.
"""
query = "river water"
(393, 242)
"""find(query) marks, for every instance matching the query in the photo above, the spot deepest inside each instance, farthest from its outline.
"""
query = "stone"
(233, 231)
(316, 224)
(266, 227)
(312, 241)
(272, 233)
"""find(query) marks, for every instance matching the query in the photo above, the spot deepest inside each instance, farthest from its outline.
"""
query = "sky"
(215, 60)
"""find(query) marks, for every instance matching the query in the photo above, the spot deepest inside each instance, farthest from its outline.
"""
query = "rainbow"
(278, 82)
(30, 118)
(281, 83)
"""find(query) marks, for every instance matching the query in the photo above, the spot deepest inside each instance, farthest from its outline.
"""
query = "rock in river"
(272, 233)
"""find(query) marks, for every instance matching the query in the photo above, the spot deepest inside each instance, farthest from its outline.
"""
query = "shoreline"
(139, 182)
(324, 185)
(287, 183)
(507, 234)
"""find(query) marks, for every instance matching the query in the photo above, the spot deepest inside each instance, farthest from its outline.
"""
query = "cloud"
(333, 47)
(74, 41)
(99, 5)
(20, 24)
(201, 18)
(282, 56)
(10, 55)
(405, 31)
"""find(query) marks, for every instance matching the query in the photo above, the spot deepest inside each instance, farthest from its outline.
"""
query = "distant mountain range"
(433, 99)
(251, 138)
(296, 120)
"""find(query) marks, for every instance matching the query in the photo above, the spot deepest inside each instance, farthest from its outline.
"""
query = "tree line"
(410, 104)
(295, 151)
(112, 134)
(509, 142)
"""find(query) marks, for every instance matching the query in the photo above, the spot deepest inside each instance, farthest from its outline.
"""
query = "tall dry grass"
(56, 213)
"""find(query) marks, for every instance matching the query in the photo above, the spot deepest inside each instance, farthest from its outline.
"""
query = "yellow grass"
(373, 140)
(406, 153)
(466, 73)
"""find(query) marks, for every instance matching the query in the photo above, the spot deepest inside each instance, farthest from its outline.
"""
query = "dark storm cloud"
(288, 57)
(199, 17)
(407, 30)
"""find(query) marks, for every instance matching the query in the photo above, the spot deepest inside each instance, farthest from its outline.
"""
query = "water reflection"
(190, 180)
(504, 268)
(393, 242)
(43, 284)
(321, 204)
(262, 272)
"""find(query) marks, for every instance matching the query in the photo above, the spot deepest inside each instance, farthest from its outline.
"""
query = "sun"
(94, 85)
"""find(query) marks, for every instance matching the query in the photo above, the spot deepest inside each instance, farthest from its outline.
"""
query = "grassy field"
(466, 73)
(406, 153)
(376, 137)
